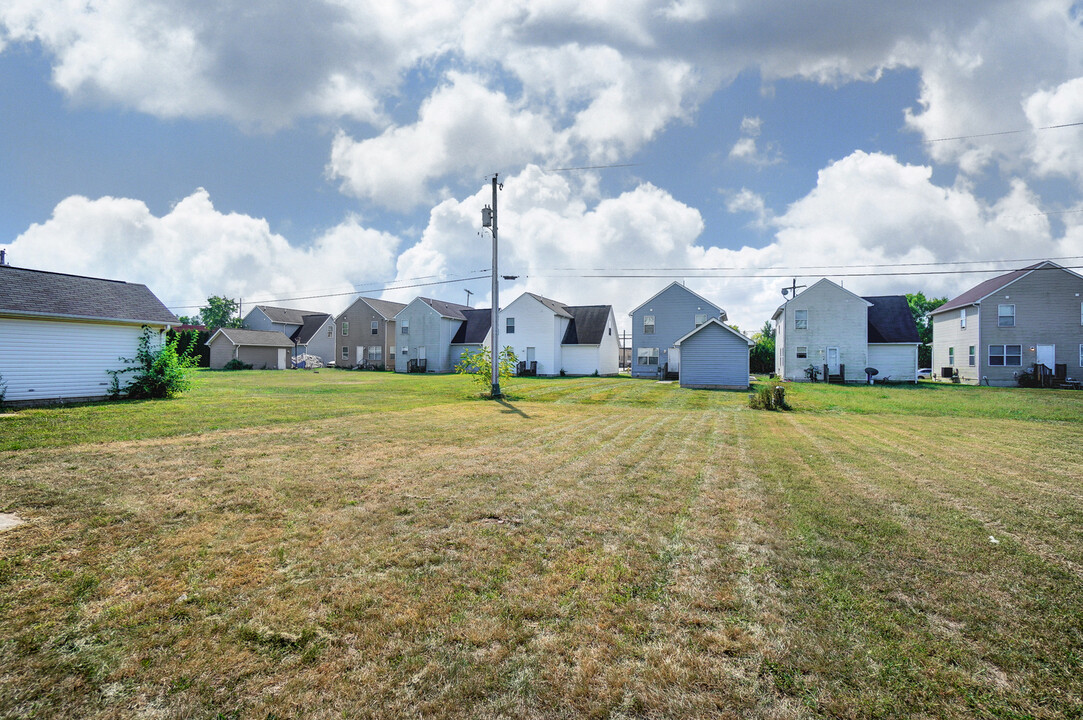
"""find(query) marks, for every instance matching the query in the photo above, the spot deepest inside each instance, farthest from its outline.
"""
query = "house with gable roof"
(426, 331)
(61, 335)
(312, 333)
(366, 333)
(1008, 324)
(658, 323)
(576, 339)
(827, 326)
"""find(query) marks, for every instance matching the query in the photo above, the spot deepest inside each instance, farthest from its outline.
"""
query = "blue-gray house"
(658, 323)
(715, 356)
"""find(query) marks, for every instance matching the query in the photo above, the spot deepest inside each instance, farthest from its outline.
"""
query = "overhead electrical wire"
(1003, 132)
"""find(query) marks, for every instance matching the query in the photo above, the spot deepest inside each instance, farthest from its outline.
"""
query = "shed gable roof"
(256, 338)
(40, 293)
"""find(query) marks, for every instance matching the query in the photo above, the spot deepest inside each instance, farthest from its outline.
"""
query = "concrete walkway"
(8, 521)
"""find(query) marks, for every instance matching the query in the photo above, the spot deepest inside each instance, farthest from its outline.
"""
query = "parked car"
(925, 373)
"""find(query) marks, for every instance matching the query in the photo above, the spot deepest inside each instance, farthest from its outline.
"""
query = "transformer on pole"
(488, 219)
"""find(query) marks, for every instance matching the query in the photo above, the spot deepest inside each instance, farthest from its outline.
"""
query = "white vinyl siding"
(44, 360)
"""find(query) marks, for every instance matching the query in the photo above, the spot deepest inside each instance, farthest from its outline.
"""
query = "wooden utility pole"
(488, 219)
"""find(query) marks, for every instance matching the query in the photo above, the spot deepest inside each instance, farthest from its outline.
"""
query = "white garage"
(60, 335)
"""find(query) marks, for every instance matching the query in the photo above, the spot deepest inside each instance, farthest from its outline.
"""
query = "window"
(376, 353)
(951, 356)
(1011, 355)
(648, 328)
(1005, 315)
(330, 331)
(345, 328)
(405, 329)
(509, 326)
(345, 353)
(405, 351)
(375, 327)
(802, 352)
(648, 356)
(973, 356)
(962, 317)
(700, 318)
(1081, 355)
(800, 319)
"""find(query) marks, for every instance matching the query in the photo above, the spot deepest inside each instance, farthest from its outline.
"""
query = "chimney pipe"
(3, 254)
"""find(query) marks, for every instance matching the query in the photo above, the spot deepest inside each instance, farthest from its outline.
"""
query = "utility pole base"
(494, 393)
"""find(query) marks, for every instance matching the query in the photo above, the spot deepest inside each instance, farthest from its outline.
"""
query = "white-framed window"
(951, 356)
(972, 358)
(802, 352)
(1010, 355)
(345, 328)
(800, 319)
(405, 350)
(405, 325)
(375, 327)
(962, 317)
(648, 327)
(700, 318)
(1006, 315)
(376, 353)
(509, 325)
(1081, 355)
(330, 331)
(647, 356)
(345, 353)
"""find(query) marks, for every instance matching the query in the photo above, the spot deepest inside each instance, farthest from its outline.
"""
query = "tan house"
(827, 326)
(366, 333)
(262, 349)
(1002, 327)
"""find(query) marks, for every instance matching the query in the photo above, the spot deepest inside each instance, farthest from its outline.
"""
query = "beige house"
(829, 326)
(262, 349)
(1006, 325)
(366, 333)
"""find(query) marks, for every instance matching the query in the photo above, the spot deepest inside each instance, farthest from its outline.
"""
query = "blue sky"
(270, 152)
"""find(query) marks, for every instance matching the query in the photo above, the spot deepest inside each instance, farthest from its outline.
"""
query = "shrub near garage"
(157, 372)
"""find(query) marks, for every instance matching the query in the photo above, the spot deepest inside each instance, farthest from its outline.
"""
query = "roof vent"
(3, 255)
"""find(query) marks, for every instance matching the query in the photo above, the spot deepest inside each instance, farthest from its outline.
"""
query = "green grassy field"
(344, 544)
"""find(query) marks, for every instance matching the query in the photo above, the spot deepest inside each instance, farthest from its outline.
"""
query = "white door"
(833, 360)
(360, 356)
(421, 352)
(1047, 355)
(529, 355)
(674, 359)
(281, 358)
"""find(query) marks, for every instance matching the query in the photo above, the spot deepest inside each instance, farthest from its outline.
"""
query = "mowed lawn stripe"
(899, 605)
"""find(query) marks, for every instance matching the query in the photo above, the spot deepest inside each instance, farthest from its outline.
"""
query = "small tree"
(478, 365)
(762, 355)
(920, 307)
(219, 313)
(158, 372)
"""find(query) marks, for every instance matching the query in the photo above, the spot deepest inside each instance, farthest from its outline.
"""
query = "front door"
(1047, 355)
(359, 356)
(674, 359)
(833, 360)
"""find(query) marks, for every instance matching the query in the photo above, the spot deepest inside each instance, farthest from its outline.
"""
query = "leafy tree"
(762, 355)
(219, 313)
(158, 371)
(478, 365)
(920, 307)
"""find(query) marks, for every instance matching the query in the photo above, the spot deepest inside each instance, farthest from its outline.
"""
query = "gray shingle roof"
(386, 308)
(35, 292)
(476, 327)
(258, 338)
(312, 324)
(289, 316)
(588, 324)
(890, 320)
(988, 287)
(446, 309)
(558, 307)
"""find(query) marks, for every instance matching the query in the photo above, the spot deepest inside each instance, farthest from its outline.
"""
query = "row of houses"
(1029, 318)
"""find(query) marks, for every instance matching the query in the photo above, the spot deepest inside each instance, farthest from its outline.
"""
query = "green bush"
(158, 372)
(769, 397)
(3, 389)
(478, 365)
(236, 364)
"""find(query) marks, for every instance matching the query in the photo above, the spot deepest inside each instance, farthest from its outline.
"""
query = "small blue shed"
(714, 356)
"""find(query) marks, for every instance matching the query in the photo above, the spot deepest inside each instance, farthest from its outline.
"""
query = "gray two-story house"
(430, 334)
(366, 333)
(1004, 326)
(658, 323)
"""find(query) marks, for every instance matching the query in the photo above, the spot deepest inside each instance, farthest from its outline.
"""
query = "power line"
(791, 269)
(757, 276)
(591, 167)
(355, 291)
(1003, 132)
